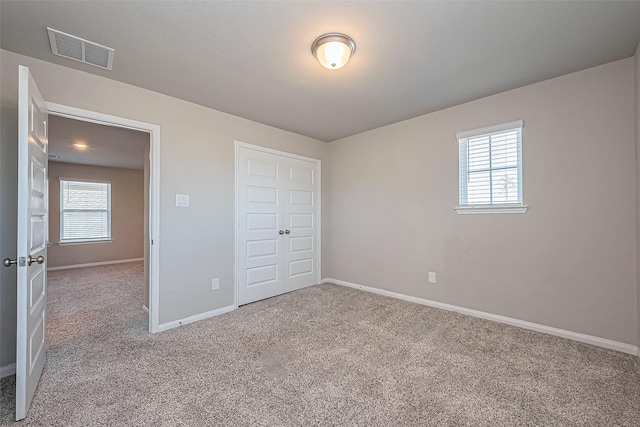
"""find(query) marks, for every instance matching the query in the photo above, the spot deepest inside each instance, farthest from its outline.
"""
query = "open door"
(33, 218)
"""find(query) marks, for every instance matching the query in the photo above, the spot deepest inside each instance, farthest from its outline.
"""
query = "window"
(491, 169)
(85, 211)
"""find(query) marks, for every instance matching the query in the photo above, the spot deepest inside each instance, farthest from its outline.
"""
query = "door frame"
(236, 222)
(154, 191)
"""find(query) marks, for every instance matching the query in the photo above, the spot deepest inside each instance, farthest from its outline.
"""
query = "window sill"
(491, 209)
(83, 242)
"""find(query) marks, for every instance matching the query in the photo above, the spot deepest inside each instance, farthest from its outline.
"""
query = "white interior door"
(32, 235)
(259, 200)
(301, 220)
(277, 209)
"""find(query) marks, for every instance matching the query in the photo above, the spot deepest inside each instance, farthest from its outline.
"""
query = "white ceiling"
(253, 59)
(107, 145)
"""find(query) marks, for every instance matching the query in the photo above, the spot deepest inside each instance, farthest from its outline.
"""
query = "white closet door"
(260, 249)
(277, 209)
(301, 220)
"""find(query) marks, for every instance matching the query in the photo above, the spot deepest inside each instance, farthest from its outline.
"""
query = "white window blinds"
(491, 165)
(85, 211)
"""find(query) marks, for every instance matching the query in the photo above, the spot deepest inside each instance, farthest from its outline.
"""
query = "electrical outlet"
(215, 284)
(432, 277)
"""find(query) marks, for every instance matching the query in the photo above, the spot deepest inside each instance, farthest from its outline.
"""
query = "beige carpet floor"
(325, 355)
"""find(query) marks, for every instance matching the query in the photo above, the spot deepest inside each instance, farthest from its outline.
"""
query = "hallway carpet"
(324, 355)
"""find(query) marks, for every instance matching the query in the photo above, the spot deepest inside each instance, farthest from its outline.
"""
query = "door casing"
(154, 191)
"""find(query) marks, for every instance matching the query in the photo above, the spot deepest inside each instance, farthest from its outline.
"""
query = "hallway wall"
(127, 216)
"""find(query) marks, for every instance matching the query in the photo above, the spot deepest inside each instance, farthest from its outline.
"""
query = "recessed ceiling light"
(333, 50)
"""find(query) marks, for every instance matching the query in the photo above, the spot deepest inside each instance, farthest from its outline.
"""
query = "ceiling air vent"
(81, 50)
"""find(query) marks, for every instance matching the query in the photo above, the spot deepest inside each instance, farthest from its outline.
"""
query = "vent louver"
(81, 50)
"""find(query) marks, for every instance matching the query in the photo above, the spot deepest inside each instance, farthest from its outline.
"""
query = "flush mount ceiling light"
(333, 50)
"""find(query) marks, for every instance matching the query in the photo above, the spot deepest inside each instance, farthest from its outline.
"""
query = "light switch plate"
(215, 284)
(182, 200)
(432, 277)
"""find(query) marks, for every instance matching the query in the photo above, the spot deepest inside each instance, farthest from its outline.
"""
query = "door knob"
(31, 260)
(8, 262)
(287, 231)
(281, 232)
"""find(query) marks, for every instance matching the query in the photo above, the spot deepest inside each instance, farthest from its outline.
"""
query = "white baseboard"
(576, 336)
(195, 318)
(94, 264)
(7, 370)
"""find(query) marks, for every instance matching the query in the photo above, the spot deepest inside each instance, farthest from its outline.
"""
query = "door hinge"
(152, 241)
(22, 261)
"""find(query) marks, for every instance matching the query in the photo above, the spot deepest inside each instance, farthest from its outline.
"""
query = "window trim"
(70, 242)
(490, 129)
(107, 239)
(497, 208)
(514, 208)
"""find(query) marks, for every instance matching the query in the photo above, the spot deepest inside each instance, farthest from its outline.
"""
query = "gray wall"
(637, 84)
(197, 158)
(569, 262)
(127, 216)
(8, 219)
